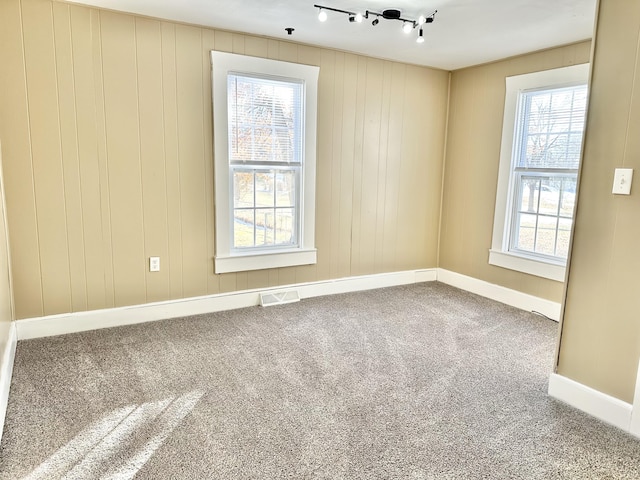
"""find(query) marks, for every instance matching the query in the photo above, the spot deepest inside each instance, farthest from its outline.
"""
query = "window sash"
(552, 200)
(265, 119)
(549, 126)
(259, 230)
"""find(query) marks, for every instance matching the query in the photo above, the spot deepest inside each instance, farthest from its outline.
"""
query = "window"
(541, 150)
(265, 143)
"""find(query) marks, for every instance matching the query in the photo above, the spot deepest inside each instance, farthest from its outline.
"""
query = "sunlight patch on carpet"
(101, 444)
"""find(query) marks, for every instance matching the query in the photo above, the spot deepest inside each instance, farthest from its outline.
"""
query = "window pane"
(568, 199)
(550, 195)
(551, 125)
(265, 119)
(529, 194)
(265, 195)
(285, 188)
(264, 227)
(242, 188)
(285, 221)
(526, 232)
(564, 235)
(243, 228)
(264, 207)
(545, 202)
(546, 235)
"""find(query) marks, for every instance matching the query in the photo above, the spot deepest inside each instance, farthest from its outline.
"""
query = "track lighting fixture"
(408, 24)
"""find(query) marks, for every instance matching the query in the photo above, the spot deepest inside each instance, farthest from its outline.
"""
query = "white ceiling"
(464, 33)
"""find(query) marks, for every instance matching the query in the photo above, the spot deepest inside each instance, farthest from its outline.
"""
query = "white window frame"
(228, 259)
(499, 253)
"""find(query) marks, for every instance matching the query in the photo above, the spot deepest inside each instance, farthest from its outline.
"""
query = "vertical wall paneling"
(410, 220)
(394, 155)
(347, 157)
(223, 41)
(152, 156)
(70, 155)
(87, 150)
(108, 152)
(15, 134)
(326, 88)
(256, 47)
(122, 121)
(288, 52)
(382, 179)
(370, 182)
(191, 158)
(172, 166)
(273, 48)
(227, 282)
(336, 157)
(42, 90)
(237, 43)
(242, 280)
(103, 163)
(356, 227)
(433, 102)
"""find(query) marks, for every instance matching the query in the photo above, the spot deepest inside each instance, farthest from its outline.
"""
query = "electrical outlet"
(154, 264)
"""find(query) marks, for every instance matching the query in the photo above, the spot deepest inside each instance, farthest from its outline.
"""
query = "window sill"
(263, 260)
(539, 268)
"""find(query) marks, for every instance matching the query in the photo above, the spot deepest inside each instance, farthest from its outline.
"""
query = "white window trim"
(227, 260)
(499, 254)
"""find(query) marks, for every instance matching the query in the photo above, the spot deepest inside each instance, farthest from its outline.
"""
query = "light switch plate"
(622, 181)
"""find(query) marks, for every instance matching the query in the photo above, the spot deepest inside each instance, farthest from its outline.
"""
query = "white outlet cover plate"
(622, 181)
(154, 264)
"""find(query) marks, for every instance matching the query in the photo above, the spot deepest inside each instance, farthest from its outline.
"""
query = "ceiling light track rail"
(408, 24)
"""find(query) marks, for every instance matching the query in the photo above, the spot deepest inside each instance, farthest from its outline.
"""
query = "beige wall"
(471, 167)
(6, 307)
(106, 121)
(600, 343)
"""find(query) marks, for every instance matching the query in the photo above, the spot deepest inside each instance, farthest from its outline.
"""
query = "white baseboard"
(597, 404)
(6, 370)
(501, 294)
(113, 317)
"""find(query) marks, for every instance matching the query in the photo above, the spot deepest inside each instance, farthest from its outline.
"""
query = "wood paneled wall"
(106, 123)
(471, 173)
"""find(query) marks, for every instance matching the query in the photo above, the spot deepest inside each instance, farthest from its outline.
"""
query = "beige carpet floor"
(415, 382)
